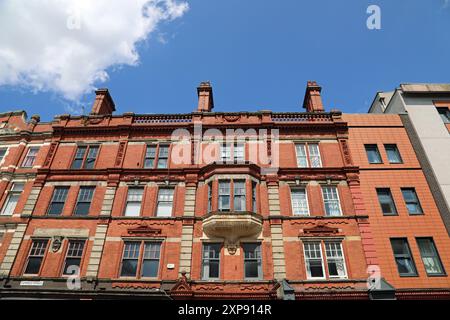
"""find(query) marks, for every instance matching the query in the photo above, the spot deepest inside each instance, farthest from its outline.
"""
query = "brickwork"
(170, 213)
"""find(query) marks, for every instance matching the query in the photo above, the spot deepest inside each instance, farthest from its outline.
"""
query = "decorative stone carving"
(144, 230)
(56, 243)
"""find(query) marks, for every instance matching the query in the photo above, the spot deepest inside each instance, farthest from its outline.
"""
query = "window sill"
(437, 275)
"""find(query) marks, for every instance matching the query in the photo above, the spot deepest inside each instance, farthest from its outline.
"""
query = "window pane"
(251, 269)
(162, 163)
(373, 154)
(150, 268)
(150, 265)
(335, 259)
(30, 157)
(34, 265)
(165, 202)
(2, 153)
(302, 162)
(17, 186)
(315, 268)
(91, 157)
(331, 201)
(313, 259)
(224, 195)
(314, 155)
(386, 201)
(411, 201)
(76, 164)
(129, 268)
(71, 262)
(209, 197)
(164, 209)
(133, 209)
(35, 256)
(211, 261)
(445, 114)
(430, 256)
(130, 259)
(252, 260)
(82, 208)
(56, 208)
(239, 152)
(11, 203)
(299, 202)
(392, 153)
(239, 196)
(403, 258)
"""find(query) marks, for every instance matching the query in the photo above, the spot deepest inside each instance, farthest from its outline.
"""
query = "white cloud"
(67, 46)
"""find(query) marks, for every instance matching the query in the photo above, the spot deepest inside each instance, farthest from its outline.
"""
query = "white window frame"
(305, 156)
(239, 149)
(28, 154)
(293, 190)
(338, 200)
(11, 192)
(345, 276)
(308, 273)
(315, 155)
(226, 152)
(219, 195)
(134, 201)
(4, 156)
(162, 199)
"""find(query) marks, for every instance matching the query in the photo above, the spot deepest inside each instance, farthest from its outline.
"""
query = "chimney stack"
(313, 100)
(103, 104)
(205, 97)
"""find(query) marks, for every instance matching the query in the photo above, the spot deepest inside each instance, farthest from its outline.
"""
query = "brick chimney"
(205, 97)
(103, 104)
(313, 100)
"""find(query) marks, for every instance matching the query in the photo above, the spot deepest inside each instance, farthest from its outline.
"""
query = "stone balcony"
(232, 226)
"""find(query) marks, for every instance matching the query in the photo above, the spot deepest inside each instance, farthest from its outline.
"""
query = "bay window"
(239, 195)
(224, 195)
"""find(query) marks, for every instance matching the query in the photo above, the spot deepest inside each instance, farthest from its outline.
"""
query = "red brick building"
(207, 205)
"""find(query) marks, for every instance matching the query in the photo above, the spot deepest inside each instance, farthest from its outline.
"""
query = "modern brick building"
(207, 205)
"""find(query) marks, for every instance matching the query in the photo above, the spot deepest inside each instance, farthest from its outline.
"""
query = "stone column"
(187, 232)
(276, 229)
(31, 201)
(97, 250)
(8, 261)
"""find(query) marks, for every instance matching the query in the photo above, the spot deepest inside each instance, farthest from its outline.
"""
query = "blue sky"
(259, 54)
